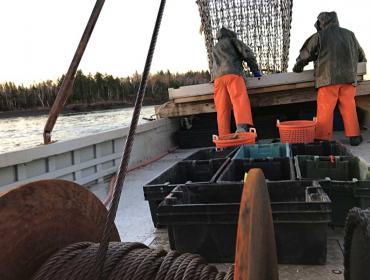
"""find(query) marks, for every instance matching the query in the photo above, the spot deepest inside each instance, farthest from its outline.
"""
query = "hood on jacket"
(225, 33)
(326, 20)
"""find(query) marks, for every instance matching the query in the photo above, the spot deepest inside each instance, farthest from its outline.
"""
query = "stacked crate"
(346, 179)
(201, 213)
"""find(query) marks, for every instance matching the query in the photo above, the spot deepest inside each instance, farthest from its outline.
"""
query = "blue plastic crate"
(274, 150)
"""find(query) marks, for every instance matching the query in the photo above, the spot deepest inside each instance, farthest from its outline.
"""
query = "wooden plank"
(298, 95)
(250, 92)
(281, 88)
(361, 86)
(192, 90)
(254, 83)
(190, 99)
(184, 109)
(363, 105)
(273, 99)
(173, 109)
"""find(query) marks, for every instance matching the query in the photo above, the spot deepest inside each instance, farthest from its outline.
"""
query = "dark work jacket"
(334, 50)
(229, 53)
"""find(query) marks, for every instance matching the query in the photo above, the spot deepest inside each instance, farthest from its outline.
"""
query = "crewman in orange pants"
(335, 52)
(230, 91)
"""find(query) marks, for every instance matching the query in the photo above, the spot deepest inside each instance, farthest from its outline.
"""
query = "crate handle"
(215, 137)
(314, 119)
(220, 170)
(253, 130)
(332, 159)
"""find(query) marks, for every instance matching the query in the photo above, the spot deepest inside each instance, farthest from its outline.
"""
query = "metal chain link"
(264, 25)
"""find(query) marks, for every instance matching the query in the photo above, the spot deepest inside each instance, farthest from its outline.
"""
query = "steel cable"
(128, 261)
(100, 258)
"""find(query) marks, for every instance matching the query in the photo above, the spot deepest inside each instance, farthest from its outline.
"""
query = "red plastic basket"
(297, 131)
(242, 138)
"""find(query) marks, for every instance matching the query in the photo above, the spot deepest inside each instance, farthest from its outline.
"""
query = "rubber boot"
(355, 140)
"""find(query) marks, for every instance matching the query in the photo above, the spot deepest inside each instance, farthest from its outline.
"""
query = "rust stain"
(255, 257)
(40, 218)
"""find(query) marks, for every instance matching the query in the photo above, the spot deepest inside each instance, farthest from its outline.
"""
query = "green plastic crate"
(341, 168)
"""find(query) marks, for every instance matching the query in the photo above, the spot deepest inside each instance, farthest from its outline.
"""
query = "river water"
(24, 132)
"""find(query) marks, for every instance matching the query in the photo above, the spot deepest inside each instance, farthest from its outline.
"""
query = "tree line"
(97, 89)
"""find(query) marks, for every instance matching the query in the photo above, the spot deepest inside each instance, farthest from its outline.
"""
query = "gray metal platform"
(134, 221)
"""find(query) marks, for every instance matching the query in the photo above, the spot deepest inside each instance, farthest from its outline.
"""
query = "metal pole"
(66, 87)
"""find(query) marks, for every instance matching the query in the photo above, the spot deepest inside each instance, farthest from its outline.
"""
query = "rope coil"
(128, 261)
(357, 219)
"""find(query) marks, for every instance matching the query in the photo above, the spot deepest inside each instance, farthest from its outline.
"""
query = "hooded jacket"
(334, 50)
(229, 53)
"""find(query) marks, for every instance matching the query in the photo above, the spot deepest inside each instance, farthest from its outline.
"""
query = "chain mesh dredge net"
(264, 25)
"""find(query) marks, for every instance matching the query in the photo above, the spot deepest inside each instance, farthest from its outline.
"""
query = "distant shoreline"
(72, 108)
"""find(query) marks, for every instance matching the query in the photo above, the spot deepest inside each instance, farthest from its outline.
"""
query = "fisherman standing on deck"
(230, 91)
(335, 52)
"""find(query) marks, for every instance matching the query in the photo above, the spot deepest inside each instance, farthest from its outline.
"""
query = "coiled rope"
(125, 261)
(128, 261)
(357, 219)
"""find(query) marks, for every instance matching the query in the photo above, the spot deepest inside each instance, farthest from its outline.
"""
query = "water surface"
(24, 132)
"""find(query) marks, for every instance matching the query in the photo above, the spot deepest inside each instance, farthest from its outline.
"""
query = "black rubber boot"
(355, 140)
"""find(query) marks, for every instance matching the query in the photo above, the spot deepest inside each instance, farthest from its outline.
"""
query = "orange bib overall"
(231, 93)
(327, 99)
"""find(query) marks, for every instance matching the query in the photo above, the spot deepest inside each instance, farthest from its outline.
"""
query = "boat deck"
(134, 221)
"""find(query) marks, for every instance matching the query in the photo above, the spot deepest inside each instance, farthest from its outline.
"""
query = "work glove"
(297, 68)
(257, 74)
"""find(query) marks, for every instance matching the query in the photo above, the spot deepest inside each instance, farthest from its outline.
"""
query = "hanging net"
(264, 25)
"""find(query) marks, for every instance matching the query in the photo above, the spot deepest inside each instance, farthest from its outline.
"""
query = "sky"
(39, 37)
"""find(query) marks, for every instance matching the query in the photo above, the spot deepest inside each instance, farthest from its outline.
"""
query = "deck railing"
(86, 160)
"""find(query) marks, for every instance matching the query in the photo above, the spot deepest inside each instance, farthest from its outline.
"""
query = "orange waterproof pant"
(231, 93)
(327, 99)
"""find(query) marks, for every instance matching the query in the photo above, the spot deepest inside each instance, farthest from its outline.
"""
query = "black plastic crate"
(195, 138)
(322, 148)
(344, 196)
(341, 168)
(274, 169)
(203, 219)
(211, 153)
(294, 196)
(202, 171)
(204, 121)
